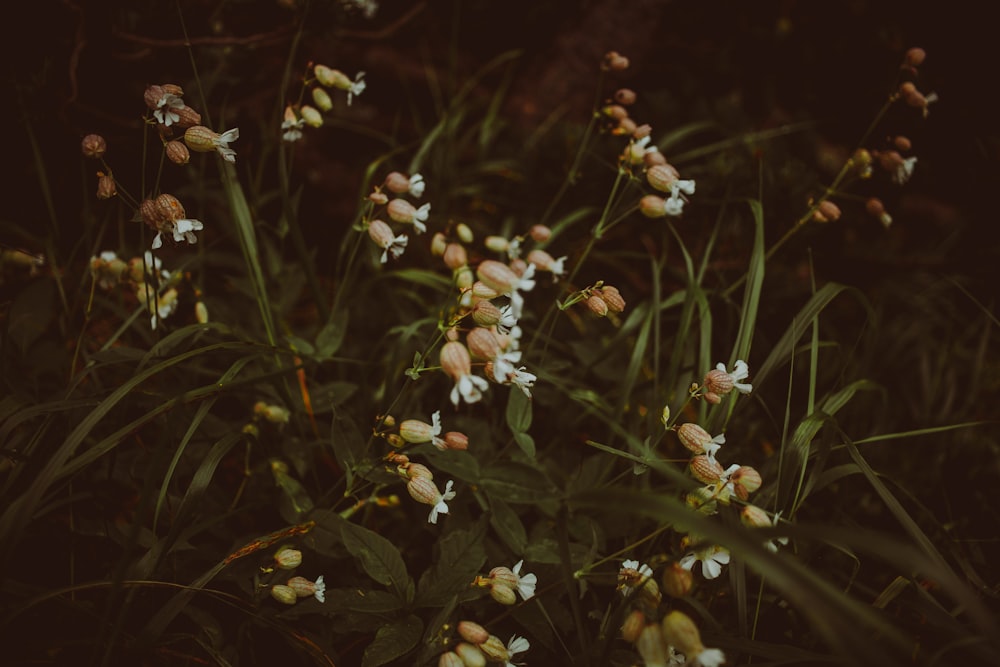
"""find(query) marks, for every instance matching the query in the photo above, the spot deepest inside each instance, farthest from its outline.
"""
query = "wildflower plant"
(319, 370)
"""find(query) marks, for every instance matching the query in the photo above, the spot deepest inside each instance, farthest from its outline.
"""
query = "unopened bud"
(652, 206)
(464, 233)
(187, 117)
(827, 211)
(614, 61)
(745, 480)
(875, 207)
(625, 96)
(470, 655)
(677, 581)
(472, 632)
(902, 143)
(755, 517)
(395, 440)
(284, 594)
(483, 343)
(439, 243)
(456, 440)
(540, 233)
(915, 57)
(106, 187)
(706, 470)
(485, 314)
(455, 256)
(597, 306)
(93, 146)
(311, 116)
(378, 198)
(615, 112)
(503, 593)
(415, 431)
(496, 243)
(611, 296)
(201, 312)
(451, 659)
(288, 559)
(633, 625)
(322, 99)
(177, 152)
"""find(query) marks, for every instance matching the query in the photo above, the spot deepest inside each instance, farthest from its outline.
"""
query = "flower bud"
(177, 152)
(652, 206)
(481, 290)
(414, 470)
(439, 243)
(452, 659)
(633, 625)
(486, 314)
(677, 581)
(625, 96)
(201, 312)
(653, 159)
(611, 296)
(483, 343)
(200, 138)
(615, 112)
(718, 382)
(284, 594)
(706, 470)
(456, 440)
(875, 207)
(106, 187)
(415, 431)
(187, 117)
(93, 146)
(470, 655)
(915, 57)
(455, 360)
(303, 587)
(540, 233)
(472, 632)
(423, 490)
(493, 648)
(503, 593)
(745, 480)
(464, 233)
(394, 440)
(902, 143)
(497, 276)
(614, 61)
(311, 116)
(496, 243)
(662, 177)
(650, 592)
(331, 78)
(754, 517)
(455, 256)
(827, 211)
(463, 277)
(287, 558)
(597, 306)
(681, 633)
(693, 437)
(505, 576)
(322, 99)
(651, 646)
(378, 198)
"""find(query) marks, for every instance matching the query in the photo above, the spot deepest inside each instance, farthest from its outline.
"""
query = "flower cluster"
(287, 558)
(297, 116)
(165, 214)
(506, 583)
(479, 647)
(152, 286)
(169, 112)
(398, 210)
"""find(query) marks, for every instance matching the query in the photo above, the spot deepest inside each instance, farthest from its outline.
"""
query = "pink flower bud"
(93, 146)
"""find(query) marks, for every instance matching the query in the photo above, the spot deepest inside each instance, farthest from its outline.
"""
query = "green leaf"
(378, 557)
(347, 442)
(331, 336)
(460, 554)
(365, 601)
(517, 483)
(518, 412)
(393, 641)
(508, 526)
(526, 443)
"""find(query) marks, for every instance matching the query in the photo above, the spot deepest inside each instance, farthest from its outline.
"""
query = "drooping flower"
(304, 588)
(416, 432)
(291, 125)
(680, 631)
(719, 382)
(512, 578)
(200, 138)
(403, 211)
(166, 215)
(697, 440)
(381, 233)
(456, 362)
(401, 184)
(424, 490)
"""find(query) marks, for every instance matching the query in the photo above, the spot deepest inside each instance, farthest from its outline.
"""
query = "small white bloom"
(436, 431)
(632, 575)
(525, 584)
(222, 144)
(904, 171)
(292, 129)
(523, 380)
(470, 388)
(356, 88)
(417, 185)
(710, 657)
(165, 106)
(441, 506)
(741, 372)
(320, 593)
(507, 323)
(395, 247)
(712, 559)
(514, 248)
(514, 646)
(525, 284)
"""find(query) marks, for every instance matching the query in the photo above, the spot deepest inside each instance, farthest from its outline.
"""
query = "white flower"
(292, 129)
(160, 306)
(514, 248)
(632, 575)
(507, 323)
(417, 185)
(525, 584)
(396, 247)
(470, 387)
(710, 657)
(320, 593)
(525, 284)
(904, 171)
(222, 144)
(726, 482)
(514, 646)
(436, 431)
(441, 506)
(523, 380)
(164, 109)
(741, 372)
(182, 230)
(356, 88)
(675, 204)
(712, 559)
